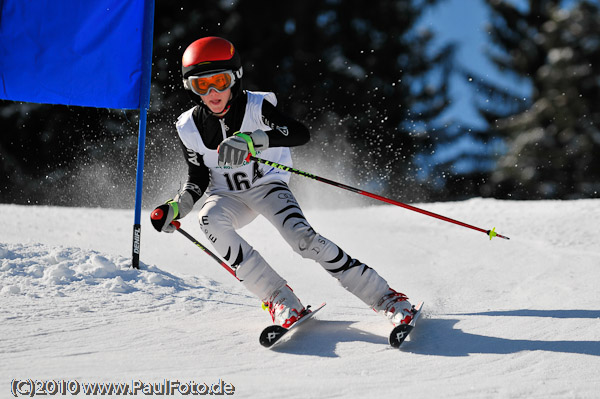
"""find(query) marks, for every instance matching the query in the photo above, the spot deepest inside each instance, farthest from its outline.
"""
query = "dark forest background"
(369, 85)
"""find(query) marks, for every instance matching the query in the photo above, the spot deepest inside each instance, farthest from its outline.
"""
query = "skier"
(217, 136)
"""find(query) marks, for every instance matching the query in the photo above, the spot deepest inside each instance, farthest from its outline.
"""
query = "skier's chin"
(218, 110)
(216, 107)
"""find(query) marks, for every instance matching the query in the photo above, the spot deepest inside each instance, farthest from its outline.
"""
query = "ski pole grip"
(157, 214)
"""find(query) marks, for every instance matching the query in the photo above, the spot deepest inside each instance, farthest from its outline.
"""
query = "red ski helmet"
(209, 55)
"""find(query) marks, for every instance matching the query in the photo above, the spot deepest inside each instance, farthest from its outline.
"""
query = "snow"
(508, 319)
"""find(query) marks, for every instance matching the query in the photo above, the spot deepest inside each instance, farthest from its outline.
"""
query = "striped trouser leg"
(276, 202)
(219, 218)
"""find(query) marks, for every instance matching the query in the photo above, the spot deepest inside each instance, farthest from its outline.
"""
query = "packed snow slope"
(503, 319)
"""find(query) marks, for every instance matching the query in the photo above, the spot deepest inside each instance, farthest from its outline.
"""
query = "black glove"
(163, 215)
(174, 209)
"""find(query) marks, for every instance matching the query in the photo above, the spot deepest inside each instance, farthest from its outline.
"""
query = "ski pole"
(202, 247)
(491, 233)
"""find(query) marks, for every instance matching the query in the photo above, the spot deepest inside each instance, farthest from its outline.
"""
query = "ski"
(400, 332)
(273, 334)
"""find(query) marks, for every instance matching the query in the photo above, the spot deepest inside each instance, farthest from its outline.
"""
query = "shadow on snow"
(438, 337)
(321, 337)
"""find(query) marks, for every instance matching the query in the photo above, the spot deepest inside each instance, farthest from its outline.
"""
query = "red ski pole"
(491, 233)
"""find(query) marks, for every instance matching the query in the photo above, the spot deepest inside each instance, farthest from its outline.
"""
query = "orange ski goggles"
(219, 81)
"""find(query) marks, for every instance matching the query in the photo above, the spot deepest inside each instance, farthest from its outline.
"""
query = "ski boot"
(395, 307)
(284, 306)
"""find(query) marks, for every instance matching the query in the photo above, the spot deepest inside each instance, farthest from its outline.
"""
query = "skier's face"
(216, 101)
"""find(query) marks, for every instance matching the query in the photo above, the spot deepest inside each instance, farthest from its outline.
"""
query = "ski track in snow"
(509, 319)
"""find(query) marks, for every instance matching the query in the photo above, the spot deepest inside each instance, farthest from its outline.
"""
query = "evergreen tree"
(552, 145)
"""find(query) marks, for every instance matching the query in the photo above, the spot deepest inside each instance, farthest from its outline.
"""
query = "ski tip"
(271, 335)
(400, 332)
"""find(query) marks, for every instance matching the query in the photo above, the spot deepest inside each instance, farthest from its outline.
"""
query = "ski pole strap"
(248, 140)
(175, 205)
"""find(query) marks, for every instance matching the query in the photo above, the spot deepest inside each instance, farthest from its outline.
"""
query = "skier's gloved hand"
(175, 209)
(162, 216)
(234, 150)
